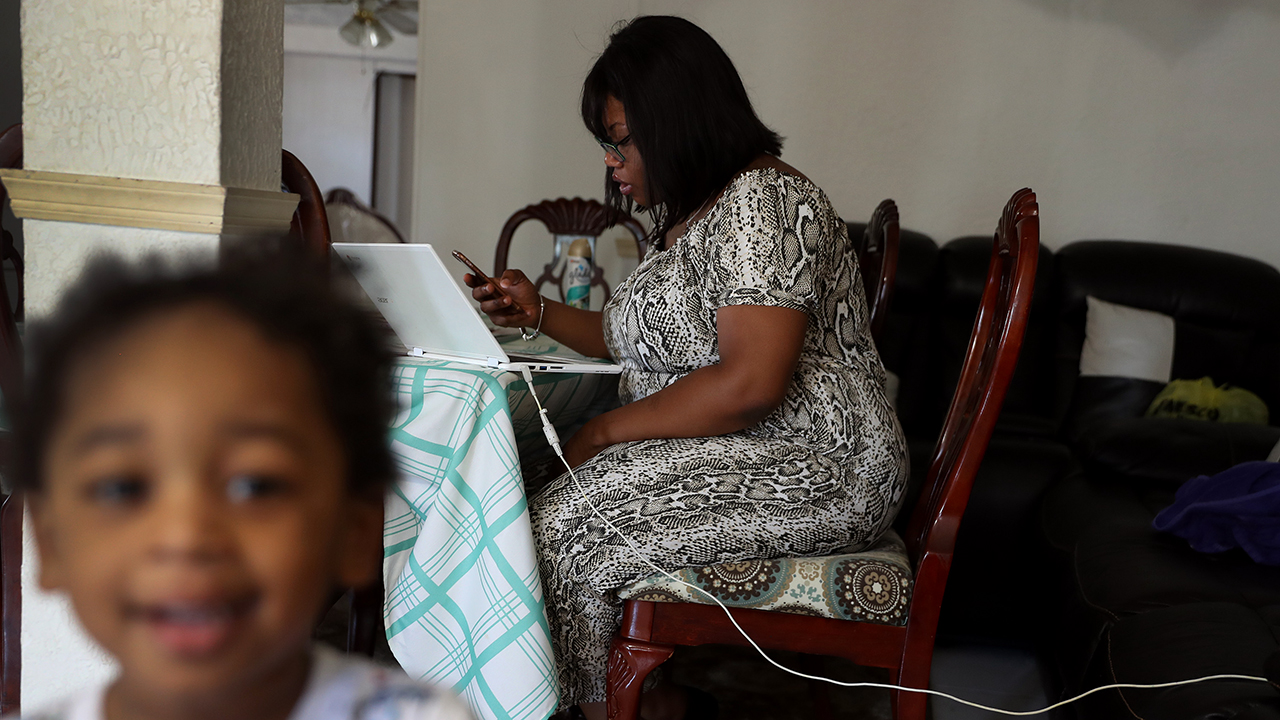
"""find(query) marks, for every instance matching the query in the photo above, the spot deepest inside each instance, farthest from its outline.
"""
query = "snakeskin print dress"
(825, 471)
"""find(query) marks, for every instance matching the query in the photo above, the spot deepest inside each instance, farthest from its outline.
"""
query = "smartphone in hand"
(479, 274)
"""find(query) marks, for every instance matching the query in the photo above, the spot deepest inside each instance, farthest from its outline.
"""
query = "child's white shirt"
(340, 687)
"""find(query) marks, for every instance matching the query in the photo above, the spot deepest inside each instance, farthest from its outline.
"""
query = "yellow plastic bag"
(1202, 400)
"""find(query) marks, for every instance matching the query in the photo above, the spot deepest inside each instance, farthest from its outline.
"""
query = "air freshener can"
(577, 274)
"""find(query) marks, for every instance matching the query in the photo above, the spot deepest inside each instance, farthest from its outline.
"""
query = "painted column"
(185, 94)
(148, 127)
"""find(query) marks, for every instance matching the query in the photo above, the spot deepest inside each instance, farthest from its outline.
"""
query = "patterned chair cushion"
(873, 585)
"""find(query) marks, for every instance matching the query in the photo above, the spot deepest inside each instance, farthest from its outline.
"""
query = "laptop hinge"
(417, 352)
(493, 361)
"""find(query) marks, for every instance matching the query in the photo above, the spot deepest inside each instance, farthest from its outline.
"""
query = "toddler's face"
(194, 504)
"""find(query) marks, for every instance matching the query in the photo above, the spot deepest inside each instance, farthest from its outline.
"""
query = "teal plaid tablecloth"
(464, 604)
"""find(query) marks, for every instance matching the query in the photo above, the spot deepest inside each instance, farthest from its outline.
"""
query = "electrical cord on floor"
(553, 439)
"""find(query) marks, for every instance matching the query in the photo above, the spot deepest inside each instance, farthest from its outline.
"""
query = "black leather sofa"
(1134, 605)
(1056, 552)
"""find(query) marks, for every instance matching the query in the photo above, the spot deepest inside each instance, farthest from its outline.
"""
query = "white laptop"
(432, 316)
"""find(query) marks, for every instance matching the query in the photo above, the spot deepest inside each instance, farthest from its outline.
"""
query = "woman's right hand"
(518, 307)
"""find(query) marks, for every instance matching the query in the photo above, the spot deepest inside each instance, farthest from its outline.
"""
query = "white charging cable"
(553, 439)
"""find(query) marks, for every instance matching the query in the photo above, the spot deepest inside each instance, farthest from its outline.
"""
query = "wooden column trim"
(157, 204)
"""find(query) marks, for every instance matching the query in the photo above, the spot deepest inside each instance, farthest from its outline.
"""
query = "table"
(463, 605)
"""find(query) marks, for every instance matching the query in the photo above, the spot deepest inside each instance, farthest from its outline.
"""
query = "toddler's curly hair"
(290, 302)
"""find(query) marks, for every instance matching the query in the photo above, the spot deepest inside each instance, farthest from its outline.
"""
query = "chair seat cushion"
(873, 585)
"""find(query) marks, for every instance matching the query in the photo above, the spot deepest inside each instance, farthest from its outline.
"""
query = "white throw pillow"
(1121, 341)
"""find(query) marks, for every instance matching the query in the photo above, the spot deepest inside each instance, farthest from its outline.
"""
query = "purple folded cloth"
(1239, 507)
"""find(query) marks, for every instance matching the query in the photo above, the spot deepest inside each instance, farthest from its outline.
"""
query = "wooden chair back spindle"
(310, 226)
(310, 231)
(989, 363)
(588, 218)
(878, 263)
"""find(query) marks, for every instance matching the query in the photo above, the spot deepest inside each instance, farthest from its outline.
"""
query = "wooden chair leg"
(914, 673)
(630, 662)
(910, 706)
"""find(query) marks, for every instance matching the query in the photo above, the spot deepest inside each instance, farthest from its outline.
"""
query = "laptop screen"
(412, 288)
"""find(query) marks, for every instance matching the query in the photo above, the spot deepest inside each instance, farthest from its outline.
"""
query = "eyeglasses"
(614, 149)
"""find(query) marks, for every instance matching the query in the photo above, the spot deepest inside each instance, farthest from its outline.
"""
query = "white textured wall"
(123, 88)
(57, 251)
(148, 90)
(1143, 119)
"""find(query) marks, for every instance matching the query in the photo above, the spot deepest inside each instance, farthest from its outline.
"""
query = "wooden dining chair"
(878, 263)
(310, 231)
(880, 605)
(309, 228)
(10, 505)
(353, 221)
(565, 217)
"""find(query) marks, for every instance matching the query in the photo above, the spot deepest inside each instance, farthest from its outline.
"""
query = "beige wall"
(497, 117)
(1144, 119)
(329, 100)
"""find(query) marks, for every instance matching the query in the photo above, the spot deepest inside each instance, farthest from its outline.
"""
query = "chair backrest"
(586, 218)
(352, 221)
(878, 263)
(310, 226)
(989, 363)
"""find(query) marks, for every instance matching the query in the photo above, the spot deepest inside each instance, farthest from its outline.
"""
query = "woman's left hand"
(585, 444)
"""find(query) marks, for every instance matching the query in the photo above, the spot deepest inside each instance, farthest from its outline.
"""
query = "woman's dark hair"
(290, 303)
(687, 111)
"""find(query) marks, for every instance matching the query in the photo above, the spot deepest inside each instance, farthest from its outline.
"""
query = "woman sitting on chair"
(754, 422)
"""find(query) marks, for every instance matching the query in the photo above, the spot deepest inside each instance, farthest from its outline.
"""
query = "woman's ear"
(361, 548)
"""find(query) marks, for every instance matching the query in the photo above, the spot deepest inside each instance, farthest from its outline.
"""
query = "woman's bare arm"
(759, 349)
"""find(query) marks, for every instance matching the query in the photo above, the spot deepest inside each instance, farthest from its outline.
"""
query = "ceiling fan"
(365, 27)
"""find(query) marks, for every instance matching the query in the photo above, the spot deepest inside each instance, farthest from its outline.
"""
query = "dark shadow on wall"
(10, 63)
(1170, 27)
(10, 101)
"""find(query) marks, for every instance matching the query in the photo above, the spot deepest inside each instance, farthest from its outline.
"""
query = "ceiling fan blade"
(406, 5)
(398, 20)
(316, 2)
